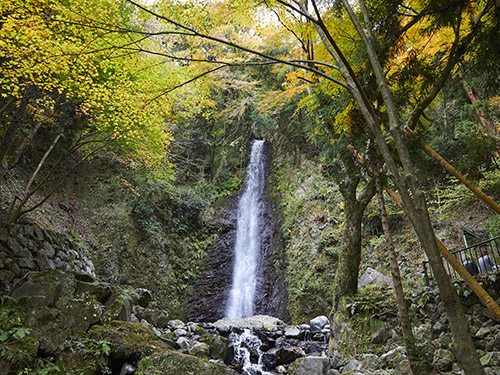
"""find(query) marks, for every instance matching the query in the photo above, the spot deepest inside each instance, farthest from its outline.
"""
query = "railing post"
(426, 276)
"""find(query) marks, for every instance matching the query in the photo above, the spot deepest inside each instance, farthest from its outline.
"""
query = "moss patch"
(128, 339)
(174, 363)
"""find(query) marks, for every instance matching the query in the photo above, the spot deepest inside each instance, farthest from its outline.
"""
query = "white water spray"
(248, 239)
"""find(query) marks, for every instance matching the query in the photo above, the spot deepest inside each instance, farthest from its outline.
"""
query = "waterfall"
(248, 240)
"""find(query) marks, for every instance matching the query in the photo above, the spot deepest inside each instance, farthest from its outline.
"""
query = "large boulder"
(53, 311)
(218, 345)
(256, 322)
(310, 366)
(372, 276)
(318, 323)
(128, 339)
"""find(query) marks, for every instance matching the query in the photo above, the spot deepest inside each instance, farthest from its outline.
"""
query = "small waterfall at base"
(247, 352)
(248, 241)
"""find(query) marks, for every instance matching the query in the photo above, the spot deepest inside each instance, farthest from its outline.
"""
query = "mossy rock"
(175, 363)
(218, 345)
(128, 339)
(75, 363)
(119, 309)
(14, 356)
(53, 325)
(43, 289)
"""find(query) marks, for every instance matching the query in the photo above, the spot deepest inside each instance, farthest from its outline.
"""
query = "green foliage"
(45, 366)
(17, 346)
(12, 317)
(94, 352)
(368, 301)
(309, 205)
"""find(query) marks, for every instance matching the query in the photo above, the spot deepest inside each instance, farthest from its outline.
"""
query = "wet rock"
(127, 369)
(218, 345)
(293, 332)
(309, 366)
(270, 359)
(289, 354)
(256, 322)
(318, 323)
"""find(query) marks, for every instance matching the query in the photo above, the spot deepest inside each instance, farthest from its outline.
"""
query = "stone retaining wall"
(25, 248)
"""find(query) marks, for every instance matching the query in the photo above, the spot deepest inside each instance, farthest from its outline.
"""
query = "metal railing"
(478, 258)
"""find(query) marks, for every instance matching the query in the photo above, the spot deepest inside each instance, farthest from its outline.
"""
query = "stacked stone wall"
(25, 248)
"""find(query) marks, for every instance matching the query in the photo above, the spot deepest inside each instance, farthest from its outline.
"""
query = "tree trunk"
(346, 276)
(413, 198)
(404, 314)
(485, 120)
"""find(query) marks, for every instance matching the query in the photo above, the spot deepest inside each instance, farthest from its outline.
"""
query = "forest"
(331, 164)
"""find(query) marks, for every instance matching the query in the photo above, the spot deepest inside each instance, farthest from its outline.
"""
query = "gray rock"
(372, 276)
(72, 254)
(26, 263)
(176, 323)
(200, 349)
(127, 369)
(192, 326)
(289, 354)
(156, 331)
(318, 323)
(304, 327)
(443, 359)
(292, 332)
(22, 240)
(494, 343)
(179, 332)
(158, 318)
(48, 249)
(483, 332)
(4, 234)
(119, 309)
(218, 345)
(14, 247)
(391, 356)
(256, 322)
(309, 366)
(353, 365)
(183, 343)
(402, 367)
(369, 361)
(333, 372)
(490, 359)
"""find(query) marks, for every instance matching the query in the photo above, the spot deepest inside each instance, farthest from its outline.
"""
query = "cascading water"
(248, 240)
